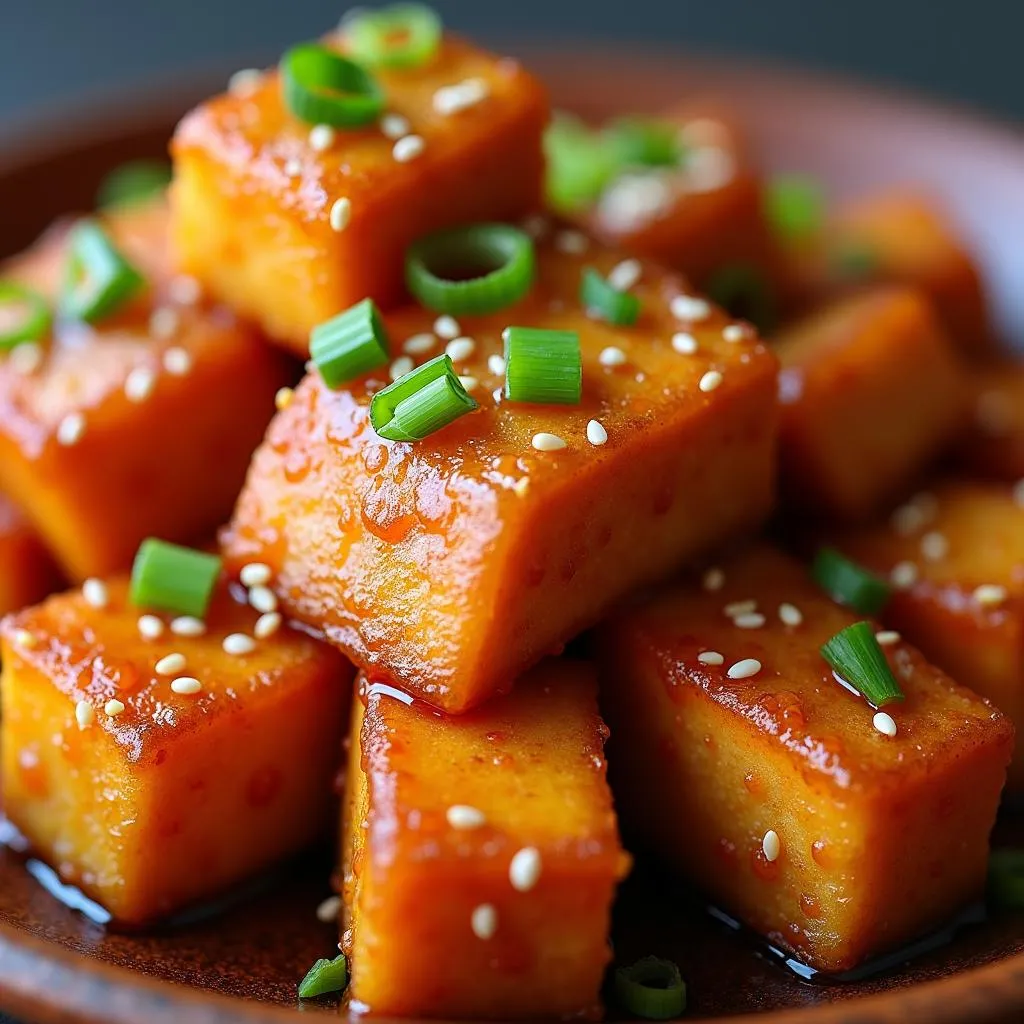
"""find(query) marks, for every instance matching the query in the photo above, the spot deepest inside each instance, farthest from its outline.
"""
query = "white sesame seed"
(735, 608)
(989, 595)
(903, 575)
(535, 225)
(329, 909)
(266, 625)
(293, 167)
(70, 429)
(711, 380)
(734, 332)
(238, 643)
(321, 137)
(164, 322)
(624, 275)
(460, 349)
(496, 364)
(934, 546)
(790, 615)
(688, 307)
(341, 213)
(887, 637)
(710, 658)
(451, 99)
(744, 669)
(752, 620)
(187, 625)
(419, 344)
(113, 708)
(23, 638)
(524, 869)
(447, 327)
(84, 714)
(907, 519)
(633, 200)
(177, 361)
(611, 356)
(283, 398)
(713, 579)
(394, 126)
(469, 383)
(521, 486)
(408, 148)
(685, 344)
(400, 367)
(572, 243)
(884, 723)
(184, 289)
(186, 685)
(484, 921)
(770, 845)
(95, 592)
(170, 664)
(245, 82)
(708, 168)
(461, 816)
(150, 627)
(263, 599)
(1018, 493)
(139, 384)
(255, 574)
(596, 434)
(545, 442)
(26, 358)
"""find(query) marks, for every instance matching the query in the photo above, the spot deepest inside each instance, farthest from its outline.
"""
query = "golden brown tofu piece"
(956, 554)
(141, 425)
(152, 794)
(451, 565)
(490, 836)
(767, 782)
(994, 443)
(871, 391)
(254, 187)
(28, 573)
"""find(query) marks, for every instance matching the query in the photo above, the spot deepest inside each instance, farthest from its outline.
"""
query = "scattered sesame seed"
(790, 615)
(887, 637)
(521, 486)
(624, 275)
(524, 869)
(710, 658)
(255, 574)
(95, 592)
(139, 384)
(238, 643)
(329, 909)
(245, 82)
(990, 594)
(84, 714)
(713, 579)
(150, 627)
(447, 327)
(884, 723)
(461, 816)
(170, 664)
(903, 575)
(341, 213)
(70, 429)
(688, 307)
(394, 126)
(545, 442)
(536, 225)
(321, 137)
(685, 344)
(263, 599)
(1018, 493)
(596, 434)
(735, 608)
(496, 364)
(266, 625)
(408, 148)
(708, 168)
(451, 99)
(572, 243)
(770, 845)
(460, 349)
(23, 638)
(293, 167)
(177, 361)
(611, 356)
(25, 358)
(934, 546)
(734, 332)
(751, 620)
(484, 921)
(419, 344)
(744, 669)
(400, 367)
(187, 625)
(711, 380)
(164, 322)
(184, 289)
(283, 398)
(113, 708)
(633, 200)
(469, 383)
(186, 685)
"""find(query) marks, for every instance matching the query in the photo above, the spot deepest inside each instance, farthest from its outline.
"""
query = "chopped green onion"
(323, 977)
(423, 401)
(644, 142)
(603, 299)
(1006, 878)
(133, 182)
(794, 206)
(98, 280)
(855, 262)
(580, 164)
(471, 270)
(542, 366)
(322, 87)
(746, 294)
(349, 344)
(24, 314)
(651, 988)
(400, 36)
(856, 655)
(173, 578)
(848, 583)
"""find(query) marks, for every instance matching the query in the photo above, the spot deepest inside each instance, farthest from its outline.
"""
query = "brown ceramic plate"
(241, 965)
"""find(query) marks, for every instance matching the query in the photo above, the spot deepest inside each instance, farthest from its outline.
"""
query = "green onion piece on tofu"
(172, 578)
(651, 988)
(602, 299)
(855, 654)
(98, 280)
(24, 315)
(322, 87)
(400, 36)
(580, 163)
(854, 262)
(420, 403)
(133, 182)
(323, 977)
(795, 207)
(471, 270)
(644, 142)
(1006, 878)
(542, 366)
(849, 584)
(746, 294)
(349, 344)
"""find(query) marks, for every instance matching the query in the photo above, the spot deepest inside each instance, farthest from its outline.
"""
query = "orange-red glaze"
(28, 573)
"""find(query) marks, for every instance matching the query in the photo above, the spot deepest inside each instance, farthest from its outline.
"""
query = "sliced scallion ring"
(651, 988)
(323, 977)
(133, 182)
(173, 578)
(98, 280)
(848, 583)
(349, 344)
(323, 87)
(794, 206)
(400, 36)
(602, 299)
(579, 164)
(420, 403)
(856, 655)
(542, 366)
(471, 270)
(644, 142)
(24, 314)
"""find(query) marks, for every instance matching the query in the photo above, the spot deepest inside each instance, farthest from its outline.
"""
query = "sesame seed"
(186, 685)
(184, 289)
(84, 714)
(912, 516)
(394, 126)
(461, 816)
(238, 643)
(266, 625)
(70, 429)
(790, 615)
(263, 599)
(23, 638)
(887, 637)
(770, 845)
(572, 243)
(596, 434)
(545, 442)
(419, 344)
(903, 575)
(634, 200)
(744, 669)
(451, 99)
(688, 307)
(245, 82)
(321, 137)
(710, 658)
(934, 546)
(25, 358)
(521, 486)
(734, 332)
(187, 625)
(1018, 493)
(884, 723)
(752, 620)
(735, 608)
(611, 356)
(711, 380)
(400, 367)
(341, 213)
(713, 579)
(484, 921)
(177, 361)
(329, 909)
(496, 364)
(624, 275)
(989, 595)
(95, 592)
(164, 322)
(255, 574)
(685, 344)
(170, 664)
(524, 869)
(460, 349)
(408, 148)
(536, 225)
(708, 168)
(469, 383)
(293, 167)
(150, 627)
(283, 398)
(447, 327)
(113, 708)
(139, 384)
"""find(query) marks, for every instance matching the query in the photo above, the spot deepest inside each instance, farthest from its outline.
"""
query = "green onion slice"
(848, 583)
(24, 314)
(400, 36)
(543, 366)
(423, 401)
(855, 654)
(644, 142)
(794, 206)
(349, 344)
(580, 164)
(471, 270)
(133, 182)
(322, 87)
(172, 578)
(651, 988)
(1006, 878)
(746, 294)
(98, 280)
(602, 299)
(323, 977)
(855, 261)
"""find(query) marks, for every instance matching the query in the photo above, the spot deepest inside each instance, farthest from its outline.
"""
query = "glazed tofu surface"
(28, 572)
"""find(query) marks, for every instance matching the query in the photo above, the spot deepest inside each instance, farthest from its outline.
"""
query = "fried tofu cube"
(490, 836)
(450, 566)
(149, 793)
(871, 391)
(28, 570)
(994, 443)
(956, 556)
(254, 188)
(766, 782)
(142, 425)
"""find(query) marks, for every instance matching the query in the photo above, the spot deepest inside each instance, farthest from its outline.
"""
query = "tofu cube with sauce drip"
(450, 565)
(29, 573)
(741, 760)
(490, 836)
(148, 791)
